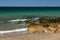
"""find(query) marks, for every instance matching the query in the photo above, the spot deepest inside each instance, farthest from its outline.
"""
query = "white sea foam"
(17, 20)
(16, 30)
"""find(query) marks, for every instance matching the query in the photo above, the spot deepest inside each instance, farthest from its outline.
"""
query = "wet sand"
(31, 36)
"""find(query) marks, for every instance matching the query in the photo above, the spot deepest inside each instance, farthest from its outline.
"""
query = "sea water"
(11, 13)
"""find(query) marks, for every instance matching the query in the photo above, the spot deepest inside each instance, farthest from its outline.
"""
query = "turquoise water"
(42, 11)
(16, 12)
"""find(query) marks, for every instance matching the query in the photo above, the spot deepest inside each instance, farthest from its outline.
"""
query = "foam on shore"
(16, 30)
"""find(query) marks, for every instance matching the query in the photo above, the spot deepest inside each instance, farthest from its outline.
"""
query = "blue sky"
(29, 2)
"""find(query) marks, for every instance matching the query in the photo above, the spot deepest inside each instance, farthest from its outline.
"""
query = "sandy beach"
(31, 36)
(28, 36)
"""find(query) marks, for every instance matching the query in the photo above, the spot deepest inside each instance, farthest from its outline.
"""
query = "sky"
(29, 2)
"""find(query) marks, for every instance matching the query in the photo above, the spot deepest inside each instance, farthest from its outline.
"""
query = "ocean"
(41, 11)
(23, 12)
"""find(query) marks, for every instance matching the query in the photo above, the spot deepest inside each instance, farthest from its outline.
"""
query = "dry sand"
(31, 36)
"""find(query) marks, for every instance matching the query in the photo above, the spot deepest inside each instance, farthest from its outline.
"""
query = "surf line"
(15, 30)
